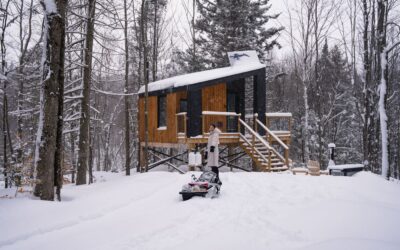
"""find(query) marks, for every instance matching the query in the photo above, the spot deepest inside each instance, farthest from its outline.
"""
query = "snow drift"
(254, 211)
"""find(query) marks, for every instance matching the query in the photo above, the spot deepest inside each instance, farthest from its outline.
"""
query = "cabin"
(181, 109)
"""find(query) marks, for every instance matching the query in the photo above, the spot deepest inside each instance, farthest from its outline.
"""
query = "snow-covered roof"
(241, 62)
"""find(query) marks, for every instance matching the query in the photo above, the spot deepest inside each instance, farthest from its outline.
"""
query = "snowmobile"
(207, 185)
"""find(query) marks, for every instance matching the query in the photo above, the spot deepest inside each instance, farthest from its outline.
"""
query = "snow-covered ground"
(254, 211)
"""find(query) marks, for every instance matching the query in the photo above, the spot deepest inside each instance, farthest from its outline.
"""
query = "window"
(183, 105)
(162, 111)
(231, 106)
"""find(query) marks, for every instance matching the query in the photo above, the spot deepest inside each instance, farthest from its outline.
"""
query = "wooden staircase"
(264, 155)
(268, 149)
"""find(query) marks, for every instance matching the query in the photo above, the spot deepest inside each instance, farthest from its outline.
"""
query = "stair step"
(279, 168)
(274, 164)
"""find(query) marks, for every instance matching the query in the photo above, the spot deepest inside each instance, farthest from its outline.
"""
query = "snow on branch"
(50, 6)
(112, 93)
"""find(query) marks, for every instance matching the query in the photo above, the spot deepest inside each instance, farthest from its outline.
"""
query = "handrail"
(273, 135)
(220, 113)
(265, 143)
(278, 115)
(286, 148)
(278, 154)
(255, 134)
(254, 148)
(206, 113)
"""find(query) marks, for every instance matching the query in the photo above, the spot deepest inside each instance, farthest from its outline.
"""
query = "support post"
(287, 157)
(331, 147)
(142, 160)
(269, 160)
(230, 152)
(259, 96)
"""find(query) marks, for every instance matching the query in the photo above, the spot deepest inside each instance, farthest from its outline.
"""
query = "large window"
(162, 111)
(183, 105)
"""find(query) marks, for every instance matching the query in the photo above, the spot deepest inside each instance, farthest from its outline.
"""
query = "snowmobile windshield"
(207, 176)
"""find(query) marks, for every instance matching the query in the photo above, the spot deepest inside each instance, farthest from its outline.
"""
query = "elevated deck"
(268, 149)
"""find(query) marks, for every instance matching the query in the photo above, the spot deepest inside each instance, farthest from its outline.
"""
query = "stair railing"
(276, 138)
(254, 149)
(257, 136)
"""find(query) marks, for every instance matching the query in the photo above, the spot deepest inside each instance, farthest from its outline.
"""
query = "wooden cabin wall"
(155, 135)
(214, 99)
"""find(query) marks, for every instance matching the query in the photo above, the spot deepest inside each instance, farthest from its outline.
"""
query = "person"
(212, 153)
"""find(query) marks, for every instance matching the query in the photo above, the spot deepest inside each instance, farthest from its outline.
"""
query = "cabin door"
(232, 106)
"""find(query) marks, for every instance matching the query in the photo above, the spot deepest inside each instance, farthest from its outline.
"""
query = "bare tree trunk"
(73, 157)
(126, 97)
(382, 79)
(194, 58)
(318, 90)
(24, 40)
(48, 149)
(367, 80)
(5, 113)
(155, 42)
(3, 68)
(84, 127)
(90, 162)
(146, 78)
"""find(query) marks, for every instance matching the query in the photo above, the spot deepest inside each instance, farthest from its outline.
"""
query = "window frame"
(180, 105)
(159, 125)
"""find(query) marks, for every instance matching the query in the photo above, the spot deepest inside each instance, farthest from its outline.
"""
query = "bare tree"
(143, 29)
(126, 98)
(49, 137)
(84, 127)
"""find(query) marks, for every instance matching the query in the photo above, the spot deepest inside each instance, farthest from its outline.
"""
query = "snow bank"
(254, 211)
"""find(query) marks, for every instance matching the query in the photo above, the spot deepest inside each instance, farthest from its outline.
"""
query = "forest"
(71, 71)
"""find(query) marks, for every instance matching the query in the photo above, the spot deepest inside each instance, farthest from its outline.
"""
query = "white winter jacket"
(213, 140)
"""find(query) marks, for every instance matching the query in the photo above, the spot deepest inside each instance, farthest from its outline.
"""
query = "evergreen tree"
(229, 25)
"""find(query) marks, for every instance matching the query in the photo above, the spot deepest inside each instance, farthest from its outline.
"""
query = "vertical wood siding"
(214, 99)
(156, 135)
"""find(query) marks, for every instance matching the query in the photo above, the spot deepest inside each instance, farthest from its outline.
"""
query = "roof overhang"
(201, 84)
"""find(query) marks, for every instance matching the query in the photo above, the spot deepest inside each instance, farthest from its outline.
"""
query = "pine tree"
(229, 25)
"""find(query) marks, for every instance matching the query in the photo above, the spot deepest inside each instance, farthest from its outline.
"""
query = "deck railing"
(181, 124)
(279, 121)
(270, 134)
(221, 120)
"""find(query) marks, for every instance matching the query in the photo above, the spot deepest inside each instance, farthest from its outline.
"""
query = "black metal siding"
(194, 126)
